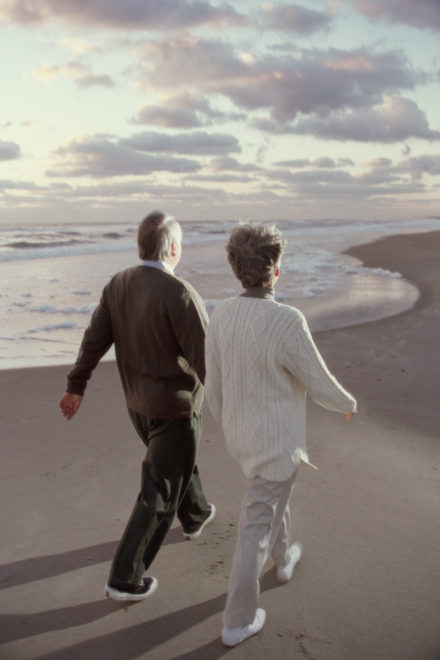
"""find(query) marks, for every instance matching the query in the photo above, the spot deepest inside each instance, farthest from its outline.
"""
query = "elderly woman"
(261, 361)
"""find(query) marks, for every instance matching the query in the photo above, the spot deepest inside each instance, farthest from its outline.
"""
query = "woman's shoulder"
(288, 311)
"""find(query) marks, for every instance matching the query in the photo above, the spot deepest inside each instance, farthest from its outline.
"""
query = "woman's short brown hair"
(254, 251)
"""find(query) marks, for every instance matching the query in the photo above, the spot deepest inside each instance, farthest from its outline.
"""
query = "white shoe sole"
(116, 594)
(195, 535)
(234, 636)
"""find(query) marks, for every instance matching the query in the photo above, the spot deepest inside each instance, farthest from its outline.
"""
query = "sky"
(213, 110)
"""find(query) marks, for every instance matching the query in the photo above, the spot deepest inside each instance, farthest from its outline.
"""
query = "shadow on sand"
(39, 568)
(128, 643)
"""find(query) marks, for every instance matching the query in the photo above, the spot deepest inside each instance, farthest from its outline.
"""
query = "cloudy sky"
(216, 110)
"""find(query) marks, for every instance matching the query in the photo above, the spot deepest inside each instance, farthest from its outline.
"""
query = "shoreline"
(362, 297)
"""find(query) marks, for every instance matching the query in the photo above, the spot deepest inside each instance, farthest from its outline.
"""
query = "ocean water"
(52, 277)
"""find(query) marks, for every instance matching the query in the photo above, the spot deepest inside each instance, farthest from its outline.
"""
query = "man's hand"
(349, 416)
(69, 404)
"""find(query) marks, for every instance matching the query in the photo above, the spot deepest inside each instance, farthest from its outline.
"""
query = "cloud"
(92, 80)
(311, 176)
(395, 120)
(337, 185)
(183, 110)
(6, 184)
(226, 163)
(416, 13)
(46, 72)
(294, 162)
(417, 166)
(114, 14)
(198, 143)
(379, 162)
(99, 156)
(174, 63)
(321, 82)
(79, 46)
(9, 150)
(80, 73)
(323, 162)
(167, 116)
(221, 178)
(295, 18)
(314, 80)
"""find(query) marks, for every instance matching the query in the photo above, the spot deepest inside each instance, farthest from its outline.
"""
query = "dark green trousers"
(170, 485)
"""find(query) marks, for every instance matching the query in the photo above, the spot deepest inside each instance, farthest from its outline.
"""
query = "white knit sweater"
(260, 363)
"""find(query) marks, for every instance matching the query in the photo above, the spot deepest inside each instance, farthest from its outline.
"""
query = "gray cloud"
(417, 166)
(295, 163)
(94, 81)
(184, 110)
(198, 143)
(100, 157)
(226, 163)
(321, 82)
(310, 176)
(417, 13)
(221, 178)
(312, 81)
(9, 150)
(114, 14)
(396, 120)
(79, 72)
(170, 117)
(379, 162)
(174, 63)
(6, 184)
(295, 18)
(323, 162)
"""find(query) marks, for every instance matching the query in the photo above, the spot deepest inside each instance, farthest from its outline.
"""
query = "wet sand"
(368, 586)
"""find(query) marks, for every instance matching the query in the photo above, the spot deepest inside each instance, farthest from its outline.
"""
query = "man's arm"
(96, 341)
(189, 320)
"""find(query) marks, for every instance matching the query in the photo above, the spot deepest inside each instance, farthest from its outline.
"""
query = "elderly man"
(157, 323)
(260, 362)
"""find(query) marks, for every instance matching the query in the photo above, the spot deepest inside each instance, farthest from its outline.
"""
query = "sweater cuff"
(75, 387)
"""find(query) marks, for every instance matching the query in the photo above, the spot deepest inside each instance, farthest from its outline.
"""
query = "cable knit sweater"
(261, 361)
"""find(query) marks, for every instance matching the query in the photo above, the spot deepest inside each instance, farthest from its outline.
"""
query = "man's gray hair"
(156, 234)
(254, 252)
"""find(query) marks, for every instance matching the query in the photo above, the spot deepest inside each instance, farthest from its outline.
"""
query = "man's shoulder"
(182, 285)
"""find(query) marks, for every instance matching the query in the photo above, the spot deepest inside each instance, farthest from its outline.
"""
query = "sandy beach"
(368, 585)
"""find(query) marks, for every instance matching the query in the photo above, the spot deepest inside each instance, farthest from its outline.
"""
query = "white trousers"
(264, 529)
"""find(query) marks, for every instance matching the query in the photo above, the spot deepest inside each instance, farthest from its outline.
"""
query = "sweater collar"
(160, 265)
(262, 292)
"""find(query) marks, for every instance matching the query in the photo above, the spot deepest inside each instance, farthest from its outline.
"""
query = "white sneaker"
(210, 515)
(234, 636)
(285, 572)
(143, 590)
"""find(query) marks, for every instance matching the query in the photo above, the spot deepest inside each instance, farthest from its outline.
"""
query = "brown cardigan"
(157, 322)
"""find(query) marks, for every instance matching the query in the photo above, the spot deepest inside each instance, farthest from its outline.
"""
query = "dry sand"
(368, 586)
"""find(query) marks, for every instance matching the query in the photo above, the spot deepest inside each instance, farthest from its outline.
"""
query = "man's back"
(157, 323)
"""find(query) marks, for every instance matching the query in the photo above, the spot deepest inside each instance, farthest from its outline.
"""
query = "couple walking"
(260, 363)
